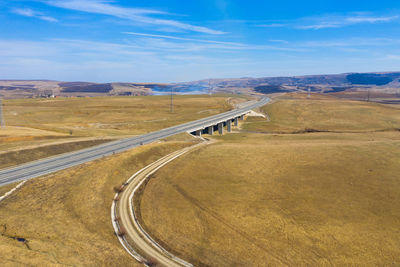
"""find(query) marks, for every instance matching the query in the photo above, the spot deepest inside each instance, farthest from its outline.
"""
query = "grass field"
(13, 158)
(324, 113)
(251, 199)
(314, 199)
(38, 128)
(65, 217)
(4, 189)
(110, 116)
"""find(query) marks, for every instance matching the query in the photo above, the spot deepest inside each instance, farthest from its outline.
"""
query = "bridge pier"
(221, 128)
(198, 132)
(236, 122)
(211, 130)
(229, 126)
(241, 117)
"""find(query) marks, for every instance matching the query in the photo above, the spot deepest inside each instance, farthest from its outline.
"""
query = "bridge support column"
(210, 130)
(229, 126)
(236, 122)
(198, 132)
(221, 128)
(241, 117)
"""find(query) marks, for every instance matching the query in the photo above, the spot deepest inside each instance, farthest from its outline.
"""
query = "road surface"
(64, 161)
(134, 234)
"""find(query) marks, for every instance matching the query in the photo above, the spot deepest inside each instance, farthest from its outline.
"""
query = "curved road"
(60, 162)
(133, 233)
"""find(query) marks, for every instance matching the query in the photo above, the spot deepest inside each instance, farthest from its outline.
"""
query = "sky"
(186, 40)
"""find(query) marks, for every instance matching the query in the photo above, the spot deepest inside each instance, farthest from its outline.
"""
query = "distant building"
(46, 94)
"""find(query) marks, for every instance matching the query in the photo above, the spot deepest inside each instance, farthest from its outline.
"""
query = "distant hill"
(388, 83)
(384, 82)
(372, 78)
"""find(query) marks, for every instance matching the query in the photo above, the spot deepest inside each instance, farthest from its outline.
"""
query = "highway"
(56, 163)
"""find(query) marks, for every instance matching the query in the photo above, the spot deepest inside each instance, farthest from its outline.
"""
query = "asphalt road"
(64, 161)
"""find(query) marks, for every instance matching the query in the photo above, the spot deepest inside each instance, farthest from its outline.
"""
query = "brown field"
(65, 217)
(4, 189)
(325, 114)
(38, 128)
(251, 199)
(327, 198)
(22, 156)
(110, 116)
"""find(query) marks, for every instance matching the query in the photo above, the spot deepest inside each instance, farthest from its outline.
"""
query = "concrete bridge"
(219, 126)
(49, 165)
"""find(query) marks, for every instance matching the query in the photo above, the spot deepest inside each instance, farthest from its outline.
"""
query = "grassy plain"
(252, 199)
(4, 189)
(110, 116)
(39, 128)
(323, 113)
(65, 217)
(13, 158)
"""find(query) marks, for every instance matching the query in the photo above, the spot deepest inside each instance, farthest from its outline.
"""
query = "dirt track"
(130, 232)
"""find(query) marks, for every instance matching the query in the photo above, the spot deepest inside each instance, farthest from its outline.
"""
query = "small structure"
(2, 122)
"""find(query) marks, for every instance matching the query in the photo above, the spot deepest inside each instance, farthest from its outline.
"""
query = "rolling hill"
(387, 83)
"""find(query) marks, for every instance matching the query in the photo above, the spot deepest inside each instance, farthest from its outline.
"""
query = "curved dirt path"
(128, 229)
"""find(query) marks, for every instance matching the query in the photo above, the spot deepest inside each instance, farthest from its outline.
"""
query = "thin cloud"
(201, 44)
(395, 57)
(138, 15)
(371, 19)
(272, 25)
(352, 42)
(27, 12)
(341, 21)
(182, 39)
(279, 41)
(332, 21)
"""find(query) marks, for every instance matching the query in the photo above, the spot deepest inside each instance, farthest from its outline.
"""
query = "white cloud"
(159, 41)
(351, 42)
(138, 15)
(371, 19)
(272, 25)
(279, 41)
(182, 39)
(332, 21)
(27, 12)
(325, 22)
(395, 57)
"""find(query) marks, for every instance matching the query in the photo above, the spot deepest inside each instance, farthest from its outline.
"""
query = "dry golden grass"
(22, 156)
(12, 137)
(323, 113)
(39, 122)
(4, 189)
(108, 116)
(65, 217)
(284, 199)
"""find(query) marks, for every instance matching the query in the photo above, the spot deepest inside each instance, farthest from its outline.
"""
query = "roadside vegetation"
(4, 189)
(297, 114)
(13, 158)
(307, 198)
(64, 218)
(110, 116)
(38, 128)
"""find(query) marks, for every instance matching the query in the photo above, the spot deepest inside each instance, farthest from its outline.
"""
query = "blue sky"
(176, 40)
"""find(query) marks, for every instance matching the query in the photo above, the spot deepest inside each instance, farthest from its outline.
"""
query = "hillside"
(386, 83)
(45, 88)
(315, 185)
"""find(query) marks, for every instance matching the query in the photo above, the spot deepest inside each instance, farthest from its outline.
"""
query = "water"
(180, 90)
